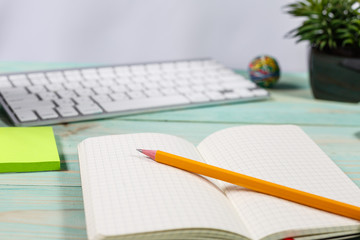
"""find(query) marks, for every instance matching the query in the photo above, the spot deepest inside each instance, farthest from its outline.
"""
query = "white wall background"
(131, 31)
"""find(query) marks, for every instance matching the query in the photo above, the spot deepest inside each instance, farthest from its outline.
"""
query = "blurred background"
(133, 31)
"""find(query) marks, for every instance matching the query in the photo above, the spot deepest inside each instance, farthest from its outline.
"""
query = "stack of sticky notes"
(27, 149)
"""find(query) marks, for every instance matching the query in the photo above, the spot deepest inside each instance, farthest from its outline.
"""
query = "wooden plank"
(272, 111)
(41, 212)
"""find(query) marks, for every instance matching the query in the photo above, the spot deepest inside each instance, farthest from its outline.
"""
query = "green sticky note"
(27, 149)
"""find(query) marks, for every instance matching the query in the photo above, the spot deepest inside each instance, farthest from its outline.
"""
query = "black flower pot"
(335, 77)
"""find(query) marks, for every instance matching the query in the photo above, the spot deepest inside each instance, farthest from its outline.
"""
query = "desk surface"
(48, 205)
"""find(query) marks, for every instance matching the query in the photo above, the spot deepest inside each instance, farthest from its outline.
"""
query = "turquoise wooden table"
(48, 205)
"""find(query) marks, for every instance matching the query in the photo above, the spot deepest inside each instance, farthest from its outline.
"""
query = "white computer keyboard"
(48, 97)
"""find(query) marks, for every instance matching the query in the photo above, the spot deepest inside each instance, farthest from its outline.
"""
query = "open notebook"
(128, 196)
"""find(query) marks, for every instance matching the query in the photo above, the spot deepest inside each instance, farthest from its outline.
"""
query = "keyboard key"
(39, 81)
(82, 100)
(184, 89)
(119, 96)
(197, 97)
(169, 91)
(183, 82)
(17, 77)
(84, 92)
(232, 95)
(36, 76)
(90, 83)
(168, 67)
(167, 84)
(107, 72)
(151, 85)
(123, 80)
(199, 88)
(54, 74)
(244, 93)
(136, 94)
(74, 78)
(260, 92)
(20, 82)
(57, 79)
(154, 78)
(183, 65)
(4, 83)
(4, 78)
(215, 87)
(119, 88)
(138, 69)
(195, 64)
(20, 98)
(90, 73)
(153, 68)
(72, 85)
(36, 88)
(134, 86)
(171, 76)
(87, 109)
(123, 71)
(54, 87)
(153, 93)
(67, 111)
(64, 102)
(215, 96)
(198, 73)
(91, 77)
(31, 105)
(101, 98)
(72, 73)
(46, 113)
(239, 84)
(63, 93)
(139, 79)
(47, 95)
(197, 80)
(101, 90)
(107, 82)
(137, 104)
(26, 115)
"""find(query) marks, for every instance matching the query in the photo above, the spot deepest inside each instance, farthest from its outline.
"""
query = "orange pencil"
(255, 184)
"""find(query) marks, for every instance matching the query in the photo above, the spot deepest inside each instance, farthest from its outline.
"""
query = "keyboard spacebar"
(144, 103)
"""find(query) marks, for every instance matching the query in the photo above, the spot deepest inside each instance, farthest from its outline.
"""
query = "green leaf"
(347, 42)
(345, 35)
(355, 21)
(354, 28)
(342, 30)
(336, 22)
(322, 45)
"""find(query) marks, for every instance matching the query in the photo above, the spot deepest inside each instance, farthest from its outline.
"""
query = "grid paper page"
(284, 155)
(127, 193)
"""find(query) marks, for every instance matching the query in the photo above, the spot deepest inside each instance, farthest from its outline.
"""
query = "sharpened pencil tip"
(149, 153)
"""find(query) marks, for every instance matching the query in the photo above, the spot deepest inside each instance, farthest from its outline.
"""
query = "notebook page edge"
(89, 219)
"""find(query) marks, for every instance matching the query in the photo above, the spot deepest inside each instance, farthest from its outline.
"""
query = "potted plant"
(333, 29)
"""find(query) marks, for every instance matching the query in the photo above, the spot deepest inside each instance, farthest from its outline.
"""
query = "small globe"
(264, 71)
